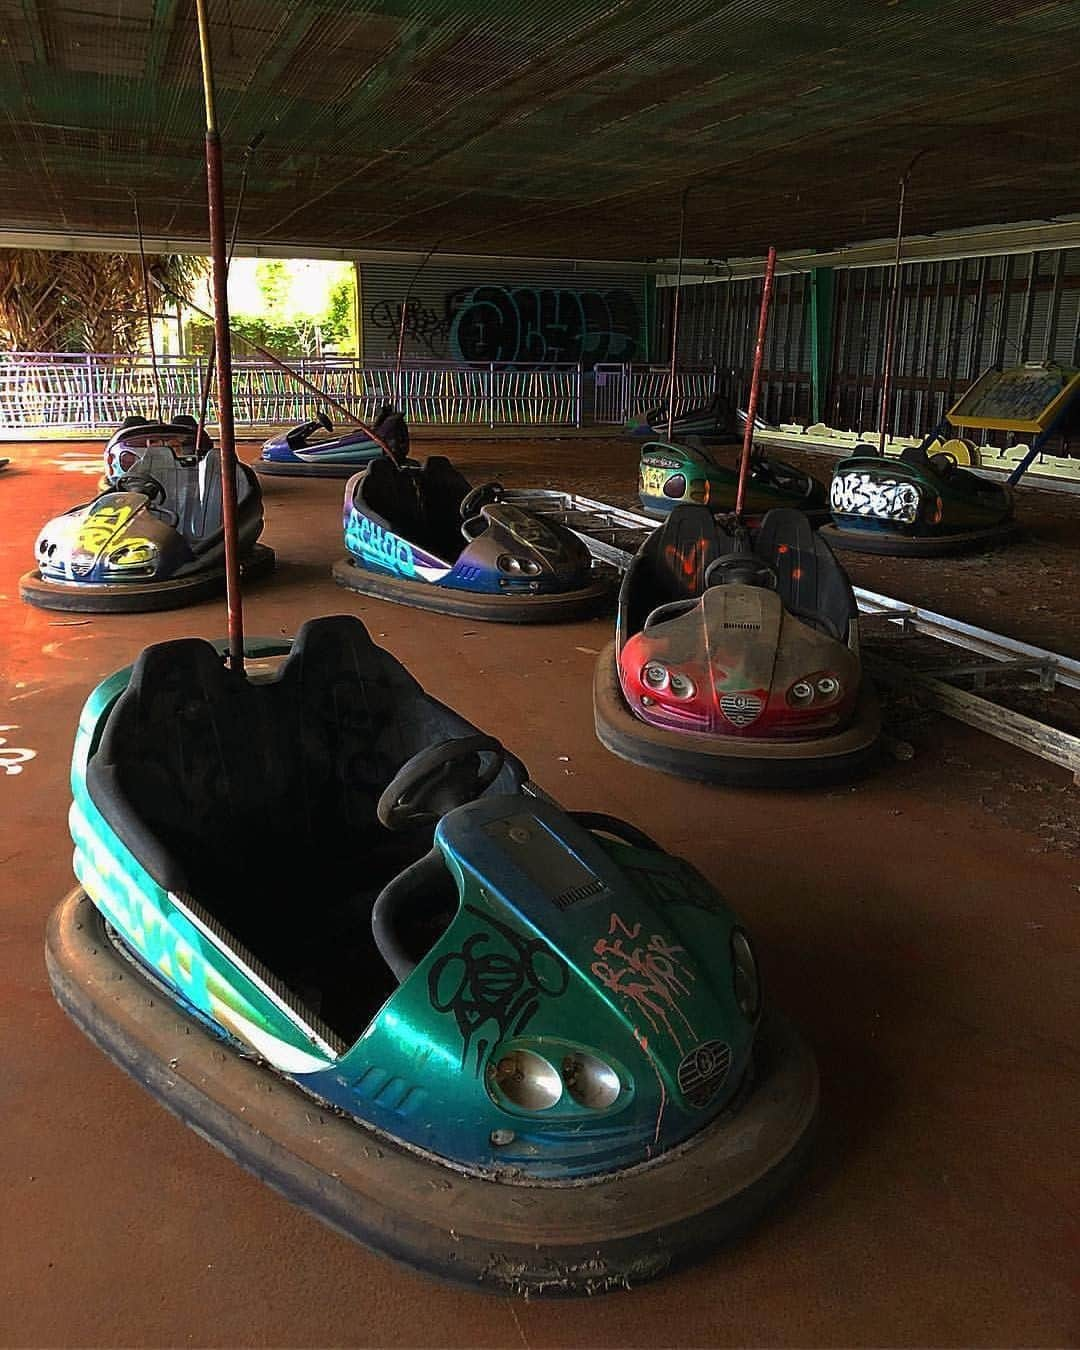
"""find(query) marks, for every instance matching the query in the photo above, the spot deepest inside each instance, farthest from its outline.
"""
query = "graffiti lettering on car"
(860, 494)
(100, 526)
(494, 984)
(654, 976)
(364, 536)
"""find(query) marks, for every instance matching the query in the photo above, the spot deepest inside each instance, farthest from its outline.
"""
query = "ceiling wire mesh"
(563, 129)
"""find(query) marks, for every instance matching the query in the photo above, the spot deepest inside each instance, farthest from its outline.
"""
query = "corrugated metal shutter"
(538, 316)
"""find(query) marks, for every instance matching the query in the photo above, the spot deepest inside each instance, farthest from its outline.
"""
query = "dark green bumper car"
(920, 505)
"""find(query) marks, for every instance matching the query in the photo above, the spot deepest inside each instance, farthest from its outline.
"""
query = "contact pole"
(675, 316)
(755, 383)
(893, 311)
(283, 366)
(227, 430)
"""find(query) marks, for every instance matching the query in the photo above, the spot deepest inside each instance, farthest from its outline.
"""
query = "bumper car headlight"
(744, 974)
(138, 555)
(590, 1081)
(517, 567)
(525, 1080)
(801, 693)
(681, 686)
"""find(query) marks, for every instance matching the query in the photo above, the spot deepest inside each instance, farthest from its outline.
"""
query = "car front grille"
(701, 1074)
(741, 709)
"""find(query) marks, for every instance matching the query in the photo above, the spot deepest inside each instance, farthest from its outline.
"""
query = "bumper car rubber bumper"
(736, 760)
(612, 1232)
(284, 468)
(134, 597)
(561, 607)
(894, 544)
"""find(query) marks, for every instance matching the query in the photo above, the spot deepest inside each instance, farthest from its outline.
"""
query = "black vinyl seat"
(258, 800)
(672, 563)
(811, 583)
(421, 505)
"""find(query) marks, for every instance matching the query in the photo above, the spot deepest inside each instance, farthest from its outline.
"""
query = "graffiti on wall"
(527, 324)
(548, 326)
(424, 327)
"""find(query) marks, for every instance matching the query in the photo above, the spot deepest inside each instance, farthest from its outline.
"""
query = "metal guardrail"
(623, 391)
(94, 391)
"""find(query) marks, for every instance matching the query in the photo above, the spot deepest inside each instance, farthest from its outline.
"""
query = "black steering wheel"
(671, 610)
(740, 568)
(945, 462)
(474, 502)
(439, 778)
(324, 421)
(150, 488)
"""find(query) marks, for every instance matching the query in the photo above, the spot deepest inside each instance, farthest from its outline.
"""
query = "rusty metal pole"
(675, 316)
(755, 383)
(204, 397)
(227, 431)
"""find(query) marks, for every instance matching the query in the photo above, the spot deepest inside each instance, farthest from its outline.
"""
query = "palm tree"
(83, 302)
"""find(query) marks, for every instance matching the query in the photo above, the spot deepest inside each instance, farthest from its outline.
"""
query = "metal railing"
(94, 391)
(625, 391)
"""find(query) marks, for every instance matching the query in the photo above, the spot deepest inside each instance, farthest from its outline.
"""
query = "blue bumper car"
(424, 536)
(312, 450)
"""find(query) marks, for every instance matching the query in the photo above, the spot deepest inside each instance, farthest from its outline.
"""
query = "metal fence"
(95, 391)
(622, 392)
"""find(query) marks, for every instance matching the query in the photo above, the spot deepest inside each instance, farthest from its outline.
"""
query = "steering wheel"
(944, 461)
(324, 422)
(726, 568)
(474, 502)
(144, 483)
(671, 610)
(437, 779)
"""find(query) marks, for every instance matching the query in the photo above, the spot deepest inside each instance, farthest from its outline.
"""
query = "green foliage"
(272, 278)
(282, 327)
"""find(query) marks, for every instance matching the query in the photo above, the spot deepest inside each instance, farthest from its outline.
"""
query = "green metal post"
(822, 289)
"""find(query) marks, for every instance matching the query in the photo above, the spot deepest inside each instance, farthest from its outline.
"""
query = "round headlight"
(526, 1080)
(654, 675)
(506, 562)
(682, 686)
(828, 686)
(802, 692)
(139, 553)
(744, 974)
(590, 1081)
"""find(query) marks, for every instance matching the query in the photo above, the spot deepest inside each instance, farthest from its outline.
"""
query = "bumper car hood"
(116, 534)
(564, 949)
(735, 656)
(556, 553)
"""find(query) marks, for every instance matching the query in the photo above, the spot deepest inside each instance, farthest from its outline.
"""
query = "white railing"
(95, 391)
(622, 392)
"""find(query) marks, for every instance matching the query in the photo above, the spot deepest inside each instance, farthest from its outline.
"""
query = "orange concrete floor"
(927, 948)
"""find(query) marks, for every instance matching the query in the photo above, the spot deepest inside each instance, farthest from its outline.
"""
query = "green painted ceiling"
(556, 127)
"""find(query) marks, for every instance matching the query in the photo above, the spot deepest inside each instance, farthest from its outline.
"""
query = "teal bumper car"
(338, 931)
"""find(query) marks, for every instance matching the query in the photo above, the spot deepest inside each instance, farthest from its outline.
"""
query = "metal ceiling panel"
(562, 129)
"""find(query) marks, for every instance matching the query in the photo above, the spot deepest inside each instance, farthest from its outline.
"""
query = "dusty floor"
(925, 941)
